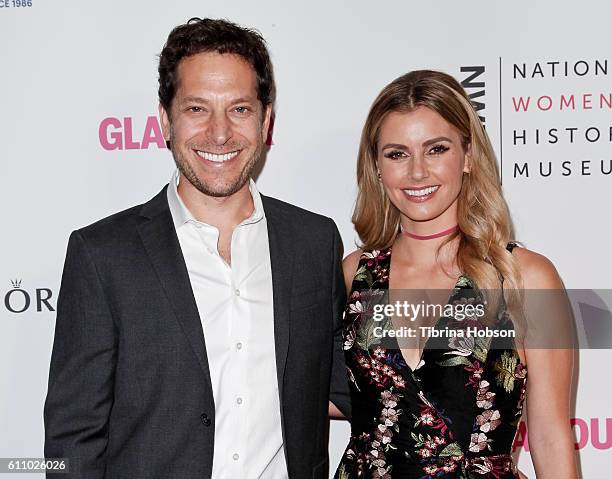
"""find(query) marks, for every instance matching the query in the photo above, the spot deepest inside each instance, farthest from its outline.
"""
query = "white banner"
(81, 140)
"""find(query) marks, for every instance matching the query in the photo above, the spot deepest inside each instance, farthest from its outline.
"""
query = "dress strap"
(511, 245)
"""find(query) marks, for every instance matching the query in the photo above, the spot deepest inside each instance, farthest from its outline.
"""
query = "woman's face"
(422, 159)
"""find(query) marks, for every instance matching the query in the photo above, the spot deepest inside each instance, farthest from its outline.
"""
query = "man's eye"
(195, 109)
(241, 109)
(439, 149)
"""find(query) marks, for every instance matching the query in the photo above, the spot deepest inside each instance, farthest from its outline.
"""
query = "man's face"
(216, 125)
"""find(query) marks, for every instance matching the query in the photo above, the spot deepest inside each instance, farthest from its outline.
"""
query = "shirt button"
(238, 345)
(237, 291)
(235, 457)
(239, 400)
(205, 419)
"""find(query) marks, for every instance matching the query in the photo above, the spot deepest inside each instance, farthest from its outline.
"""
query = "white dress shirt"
(235, 306)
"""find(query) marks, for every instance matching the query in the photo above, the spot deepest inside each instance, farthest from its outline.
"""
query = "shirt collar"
(181, 215)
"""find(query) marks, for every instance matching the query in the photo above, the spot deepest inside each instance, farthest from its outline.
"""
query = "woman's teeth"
(217, 158)
(422, 192)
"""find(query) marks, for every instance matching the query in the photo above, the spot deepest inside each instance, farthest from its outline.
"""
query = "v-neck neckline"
(435, 326)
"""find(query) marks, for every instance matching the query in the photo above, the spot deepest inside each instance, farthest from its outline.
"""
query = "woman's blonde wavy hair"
(483, 218)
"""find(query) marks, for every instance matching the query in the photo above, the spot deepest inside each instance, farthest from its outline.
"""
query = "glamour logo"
(597, 431)
(18, 300)
(118, 134)
(475, 89)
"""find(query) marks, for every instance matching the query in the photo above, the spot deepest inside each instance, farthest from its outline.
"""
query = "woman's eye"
(395, 154)
(438, 149)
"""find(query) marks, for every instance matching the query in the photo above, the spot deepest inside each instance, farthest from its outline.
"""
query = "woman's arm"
(549, 372)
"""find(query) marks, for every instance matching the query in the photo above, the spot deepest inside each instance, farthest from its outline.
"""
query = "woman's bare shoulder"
(537, 271)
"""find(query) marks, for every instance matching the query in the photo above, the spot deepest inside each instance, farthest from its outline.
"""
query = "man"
(197, 334)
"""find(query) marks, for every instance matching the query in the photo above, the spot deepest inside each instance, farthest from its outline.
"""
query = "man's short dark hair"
(201, 35)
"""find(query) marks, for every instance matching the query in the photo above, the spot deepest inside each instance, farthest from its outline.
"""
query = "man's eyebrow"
(193, 99)
(244, 99)
(200, 100)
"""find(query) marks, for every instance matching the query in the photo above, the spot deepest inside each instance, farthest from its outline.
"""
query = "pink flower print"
(349, 339)
(389, 399)
(427, 418)
(430, 469)
(380, 472)
(439, 440)
(488, 420)
(424, 452)
(390, 416)
(376, 364)
(478, 442)
(430, 444)
(378, 353)
(364, 362)
(520, 372)
(484, 398)
(356, 307)
(383, 436)
(399, 381)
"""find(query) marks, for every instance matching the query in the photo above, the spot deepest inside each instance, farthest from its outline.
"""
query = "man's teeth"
(423, 192)
(218, 158)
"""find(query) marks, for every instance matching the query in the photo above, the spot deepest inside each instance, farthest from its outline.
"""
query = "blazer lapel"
(280, 238)
(161, 243)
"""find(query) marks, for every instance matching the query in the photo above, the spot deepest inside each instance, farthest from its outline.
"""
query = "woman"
(431, 216)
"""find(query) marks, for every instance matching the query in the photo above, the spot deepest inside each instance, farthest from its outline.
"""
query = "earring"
(379, 176)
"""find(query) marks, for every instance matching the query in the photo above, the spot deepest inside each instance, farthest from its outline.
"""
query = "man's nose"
(220, 128)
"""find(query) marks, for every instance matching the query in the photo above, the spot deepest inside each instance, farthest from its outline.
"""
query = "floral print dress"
(454, 416)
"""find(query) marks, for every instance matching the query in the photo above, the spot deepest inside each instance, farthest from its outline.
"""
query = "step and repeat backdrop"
(81, 140)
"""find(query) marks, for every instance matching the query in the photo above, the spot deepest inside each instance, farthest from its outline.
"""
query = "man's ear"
(164, 120)
(267, 116)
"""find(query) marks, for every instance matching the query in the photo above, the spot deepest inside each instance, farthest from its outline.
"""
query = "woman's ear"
(467, 164)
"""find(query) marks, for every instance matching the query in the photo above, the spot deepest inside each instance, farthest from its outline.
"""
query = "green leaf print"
(455, 361)
(366, 338)
(363, 274)
(462, 282)
(419, 440)
(505, 366)
(342, 472)
(481, 348)
(453, 449)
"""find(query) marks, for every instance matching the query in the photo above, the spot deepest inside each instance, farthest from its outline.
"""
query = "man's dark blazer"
(130, 392)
